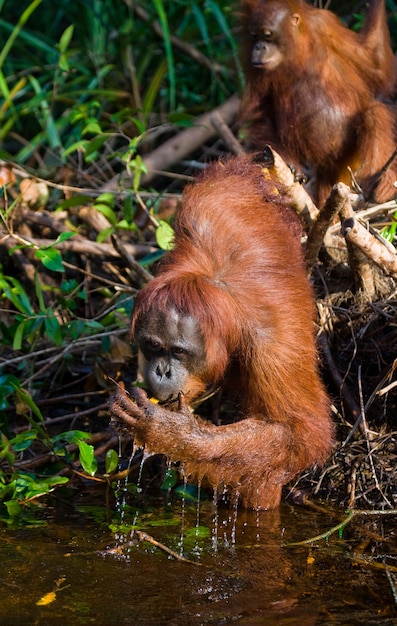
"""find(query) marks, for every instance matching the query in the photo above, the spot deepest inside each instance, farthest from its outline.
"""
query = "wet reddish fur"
(324, 106)
(237, 267)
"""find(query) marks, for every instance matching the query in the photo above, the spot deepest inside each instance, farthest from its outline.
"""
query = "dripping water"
(121, 492)
(233, 517)
(215, 521)
(258, 536)
(183, 512)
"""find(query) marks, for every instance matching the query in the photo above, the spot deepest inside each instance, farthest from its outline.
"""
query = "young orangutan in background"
(317, 93)
(231, 306)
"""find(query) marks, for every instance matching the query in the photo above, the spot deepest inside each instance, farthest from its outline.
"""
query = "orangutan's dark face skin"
(171, 352)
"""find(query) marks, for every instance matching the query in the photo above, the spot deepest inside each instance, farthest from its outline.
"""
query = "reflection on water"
(246, 575)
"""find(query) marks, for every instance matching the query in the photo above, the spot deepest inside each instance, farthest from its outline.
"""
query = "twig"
(388, 569)
(224, 131)
(370, 245)
(79, 246)
(130, 261)
(336, 201)
(340, 383)
(368, 440)
(142, 536)
(342, 525)
(78, 344)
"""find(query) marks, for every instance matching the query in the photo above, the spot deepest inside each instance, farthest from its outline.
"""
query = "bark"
(338, 198)
(302, 202)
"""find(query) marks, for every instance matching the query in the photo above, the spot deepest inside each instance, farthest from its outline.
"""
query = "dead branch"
(347, 396)
(366, 214)
(224, 131)
(185, 142)
(302, 202)
(370, 245)
(79, 246)
(143, 536)
(131, 263)
(338, 198)
(56, 222)
(96, 220)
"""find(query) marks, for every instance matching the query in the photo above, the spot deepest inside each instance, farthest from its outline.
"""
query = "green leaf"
(53, 329)
(25, 397)
(107, 212)
(77, 200)
(66, 38)
(94, 144)
(92, 128)
(8, 384)
(170, 479)
(18, 335)
(165, 235)
(76, 146)
(7, 45)
(9, 381)
(23, 441)
(111, 461)
(104, 234)
(16, 294)
(168, 49)
(198, 532)
(70, 436)
(13, 508)
(64, 237)
(39, 291)
(139, 169)
(87, 458)
(51, 259)
(106, 198)
(182, 119)
(189, 493)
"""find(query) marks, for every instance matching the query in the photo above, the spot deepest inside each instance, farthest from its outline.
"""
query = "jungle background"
(93, 94)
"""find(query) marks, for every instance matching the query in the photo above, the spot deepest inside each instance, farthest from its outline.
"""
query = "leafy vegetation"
(87, 89)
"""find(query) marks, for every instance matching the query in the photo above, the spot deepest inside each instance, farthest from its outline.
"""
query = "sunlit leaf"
(106, 198)
(92, 128)
(63, 237)
(104, 234)
(111, 461)
(87, 458)
(13, 508)
(18, 335)
(165, 235)
(198, 532)
(107, 211)
(66, 38)
(94, 144)
(51, 259)
(26, 398)
(23, 441)
(46, 599)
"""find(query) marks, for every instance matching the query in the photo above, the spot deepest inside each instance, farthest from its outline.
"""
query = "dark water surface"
(247, 574)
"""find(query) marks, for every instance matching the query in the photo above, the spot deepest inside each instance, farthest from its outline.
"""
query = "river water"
(84, 568)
